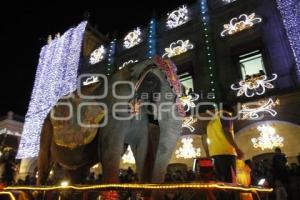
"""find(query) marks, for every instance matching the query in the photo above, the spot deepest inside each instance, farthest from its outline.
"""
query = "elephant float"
(152, 96)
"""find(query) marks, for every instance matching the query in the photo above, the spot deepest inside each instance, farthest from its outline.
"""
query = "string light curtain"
(290, 12)
(56, 76)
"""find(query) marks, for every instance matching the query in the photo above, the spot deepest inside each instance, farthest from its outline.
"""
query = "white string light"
(97, 55)
(56, 76)
(254, 85)
(91, 80)
(177, 48)
(177, 17)
(188, 101)
(240, 23)
(133, 38)
(268, 138)
(187, 150)
(187, 123)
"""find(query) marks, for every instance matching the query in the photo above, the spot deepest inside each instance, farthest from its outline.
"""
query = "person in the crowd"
(279, 165)
(222, 146)
(280, 191)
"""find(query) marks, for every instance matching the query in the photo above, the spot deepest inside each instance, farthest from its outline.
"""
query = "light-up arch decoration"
(268, 138)
(133, 38)
(187, 150)
(177, 17)
(97, 55)
(177, 48)
(240, 23)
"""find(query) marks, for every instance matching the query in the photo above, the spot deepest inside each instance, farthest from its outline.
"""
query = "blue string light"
(110, 58)
(152, 38)
(56, 76)
(290, 12)
(208, 45)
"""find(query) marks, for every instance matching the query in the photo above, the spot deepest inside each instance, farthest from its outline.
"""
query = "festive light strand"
(56, 76)
(129, 62)
(208, 43)
(188, 123)
(290, 12)
(111, 54)
(152, 38)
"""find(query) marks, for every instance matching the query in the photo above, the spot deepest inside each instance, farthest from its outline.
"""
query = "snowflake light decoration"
(268, 138)
(240, 23)
(133, 38)
(254, 85)
(187, 123)
(127, 63)
(97, 55)
(177, 48)
(187, 150)
(128, 157)
(177, 17)
(253, 110)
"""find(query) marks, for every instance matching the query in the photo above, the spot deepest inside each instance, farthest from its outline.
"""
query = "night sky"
(25, 26)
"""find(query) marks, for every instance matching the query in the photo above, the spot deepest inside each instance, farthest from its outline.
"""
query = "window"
(251, 63)
(187, 81)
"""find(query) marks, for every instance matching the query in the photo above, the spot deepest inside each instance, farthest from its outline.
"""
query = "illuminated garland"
(56, 76)
(177, 17)
(268, 138)
(238, 24)
(134, 186)
(253, 110)
(177, 48)
(152, 38)
(208, 43)
(254, 85)
(111, 54)
(290, 12)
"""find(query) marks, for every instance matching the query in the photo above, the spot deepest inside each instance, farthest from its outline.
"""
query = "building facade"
(226, 51)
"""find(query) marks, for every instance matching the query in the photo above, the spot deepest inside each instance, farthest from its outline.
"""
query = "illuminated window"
(252, 63)
(186, 80)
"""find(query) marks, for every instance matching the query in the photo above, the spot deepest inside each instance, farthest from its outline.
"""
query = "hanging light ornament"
(128, 157)
(254, 85)
(254, 109)
(268, 138)
(127, 63)
(177, 48)
(177, 17)
(133, 38)
(187, 150)
(238, 24)
(187, 123)
(97, 55)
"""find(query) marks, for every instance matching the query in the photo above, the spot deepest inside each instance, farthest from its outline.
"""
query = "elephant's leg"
(112, 145)
(44, 159)
(169, 133)
(140, 151)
